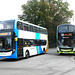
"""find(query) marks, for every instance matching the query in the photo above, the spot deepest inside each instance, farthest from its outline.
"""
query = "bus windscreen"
(5, 44)
(8, 24)
(64, 28)
(65, 35)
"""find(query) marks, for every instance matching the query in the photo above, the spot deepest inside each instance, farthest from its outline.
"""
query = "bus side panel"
(40, 50)
(33, 50)
(31, 35)
(39, 36)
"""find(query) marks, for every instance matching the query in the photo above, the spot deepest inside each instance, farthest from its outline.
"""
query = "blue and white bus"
(21, 39)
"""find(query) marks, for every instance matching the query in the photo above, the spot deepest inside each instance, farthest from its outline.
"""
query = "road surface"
(50, 63)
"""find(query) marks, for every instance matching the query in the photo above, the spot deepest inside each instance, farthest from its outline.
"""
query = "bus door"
(20, 47)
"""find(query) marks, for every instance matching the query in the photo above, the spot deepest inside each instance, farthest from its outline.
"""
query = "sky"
(72, 7)
(10, 9)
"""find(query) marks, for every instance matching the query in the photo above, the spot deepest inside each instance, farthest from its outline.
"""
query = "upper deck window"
(66, 28)
(8, 24)
(30, 28)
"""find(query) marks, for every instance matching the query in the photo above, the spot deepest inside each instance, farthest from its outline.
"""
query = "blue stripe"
(40, 50)
(15, 29)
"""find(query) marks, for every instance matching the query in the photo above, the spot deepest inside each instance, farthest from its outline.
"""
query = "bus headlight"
(74, 49)
(58, 49)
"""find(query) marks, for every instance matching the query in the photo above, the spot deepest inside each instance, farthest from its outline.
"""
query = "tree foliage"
(47, 14)
(36, 13)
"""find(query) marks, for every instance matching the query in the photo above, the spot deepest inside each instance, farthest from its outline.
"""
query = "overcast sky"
(10, 9)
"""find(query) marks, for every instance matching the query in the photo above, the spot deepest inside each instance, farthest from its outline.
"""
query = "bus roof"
(65, 24)
(26, 23)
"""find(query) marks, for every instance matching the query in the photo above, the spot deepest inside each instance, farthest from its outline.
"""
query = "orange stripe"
(47, 44)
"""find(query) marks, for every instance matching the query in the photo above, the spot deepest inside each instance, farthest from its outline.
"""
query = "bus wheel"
(44, 50)
(26, 54)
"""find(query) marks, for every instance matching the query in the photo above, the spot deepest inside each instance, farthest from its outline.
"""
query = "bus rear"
(66, 39)
(7, 42)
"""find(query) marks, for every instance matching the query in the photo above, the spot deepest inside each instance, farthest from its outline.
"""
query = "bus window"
(20, 43)
(8, 24)
(45, 31)
(39, 30)
(36, 29)
(33, 29)
(43, 42)
(74, 28)
(29, 27)
(8, 43)
(19, 25)
(26, 42)
(31, 42)
(40, 42)
(37, 42)
(25, 27)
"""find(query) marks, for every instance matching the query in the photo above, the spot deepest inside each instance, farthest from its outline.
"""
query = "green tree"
(36, 12)
(47, 14)
(61, 14)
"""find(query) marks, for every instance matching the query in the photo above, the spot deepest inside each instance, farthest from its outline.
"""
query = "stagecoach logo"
(7, 33)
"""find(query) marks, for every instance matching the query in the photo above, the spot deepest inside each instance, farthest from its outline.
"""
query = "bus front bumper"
(66, 51)
(72, 52)
(8, 55)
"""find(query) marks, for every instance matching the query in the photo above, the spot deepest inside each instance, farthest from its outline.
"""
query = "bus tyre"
(27, 54)
(44, 50)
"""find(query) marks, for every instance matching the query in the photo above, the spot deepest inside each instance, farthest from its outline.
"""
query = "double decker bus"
(21, 39)
(66, 39)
